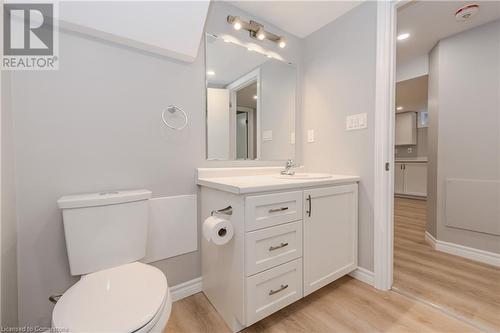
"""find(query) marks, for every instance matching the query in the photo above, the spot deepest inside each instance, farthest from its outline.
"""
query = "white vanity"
(292, 236)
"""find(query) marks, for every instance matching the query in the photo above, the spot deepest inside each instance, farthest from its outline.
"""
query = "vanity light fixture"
(403, 36)
(256, 30)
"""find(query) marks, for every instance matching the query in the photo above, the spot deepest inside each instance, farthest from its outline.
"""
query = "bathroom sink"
(302, 176)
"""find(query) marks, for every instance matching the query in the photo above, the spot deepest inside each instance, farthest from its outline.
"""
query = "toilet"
(106, 235)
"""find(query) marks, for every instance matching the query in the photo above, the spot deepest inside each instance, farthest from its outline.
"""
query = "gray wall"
(8, 211)
(419, 150)
(94, 125)
(468, 145)
(339, 80)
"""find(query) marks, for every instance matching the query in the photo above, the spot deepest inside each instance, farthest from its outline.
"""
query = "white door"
(330, 234)
(399, 178)
(242, 136)
(415, 179)
(218, 124)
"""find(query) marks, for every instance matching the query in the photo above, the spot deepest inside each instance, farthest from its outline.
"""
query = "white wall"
(95, 124)
(339, 80)
(468, 143)
(8, 212)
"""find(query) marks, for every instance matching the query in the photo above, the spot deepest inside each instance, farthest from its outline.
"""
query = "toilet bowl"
(128, 298)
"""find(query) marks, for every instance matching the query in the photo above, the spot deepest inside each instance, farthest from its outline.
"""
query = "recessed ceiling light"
(404, 36)
(250, 49)
(399, 108)
(269, 56)
(254, 96)
(210, 73)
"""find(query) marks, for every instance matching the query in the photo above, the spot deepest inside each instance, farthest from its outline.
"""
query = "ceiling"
(412, 94)
(299, 18)
(430, 21)
(244, 97)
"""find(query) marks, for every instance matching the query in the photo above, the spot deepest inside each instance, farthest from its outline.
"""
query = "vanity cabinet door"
(330, 234)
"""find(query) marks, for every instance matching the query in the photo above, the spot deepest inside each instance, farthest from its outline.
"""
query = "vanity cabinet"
(286, 244)
(330, 235)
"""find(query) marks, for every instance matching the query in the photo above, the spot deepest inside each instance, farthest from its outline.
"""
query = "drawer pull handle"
(283, 287)
(272, 248)
(274, 210)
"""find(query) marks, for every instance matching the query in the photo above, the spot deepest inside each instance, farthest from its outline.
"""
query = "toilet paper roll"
(217, 230)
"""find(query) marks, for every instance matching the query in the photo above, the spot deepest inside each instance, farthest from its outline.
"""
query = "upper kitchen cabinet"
(406, 129)
(169, 28)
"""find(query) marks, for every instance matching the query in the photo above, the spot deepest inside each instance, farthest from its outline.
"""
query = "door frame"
(384, 124)
(233, 87)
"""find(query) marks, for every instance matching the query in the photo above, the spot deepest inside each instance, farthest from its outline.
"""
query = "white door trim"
(383, 146)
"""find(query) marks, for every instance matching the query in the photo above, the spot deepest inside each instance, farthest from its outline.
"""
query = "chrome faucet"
(288, 168)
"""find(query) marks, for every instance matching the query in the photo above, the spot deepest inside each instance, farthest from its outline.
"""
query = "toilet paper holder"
(226, 211)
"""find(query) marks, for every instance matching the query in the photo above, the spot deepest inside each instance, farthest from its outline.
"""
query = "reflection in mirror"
(250, 104)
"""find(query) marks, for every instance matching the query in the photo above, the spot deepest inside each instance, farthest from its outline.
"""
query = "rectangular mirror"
(251, 103)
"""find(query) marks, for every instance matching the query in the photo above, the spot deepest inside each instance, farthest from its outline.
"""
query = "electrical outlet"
(410, 150)
(310, 136)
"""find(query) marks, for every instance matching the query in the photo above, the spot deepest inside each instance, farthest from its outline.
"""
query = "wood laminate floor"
(346, 305)
(469, 289)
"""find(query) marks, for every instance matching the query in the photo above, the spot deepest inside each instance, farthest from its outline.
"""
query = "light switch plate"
(356, 121)
(310, 136)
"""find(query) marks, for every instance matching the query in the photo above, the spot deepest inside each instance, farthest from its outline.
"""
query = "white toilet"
(106, 235)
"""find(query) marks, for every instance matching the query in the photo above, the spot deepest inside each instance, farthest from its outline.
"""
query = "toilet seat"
(127, 298)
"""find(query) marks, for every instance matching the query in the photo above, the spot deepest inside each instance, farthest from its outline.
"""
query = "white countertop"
(411, 159)
(268, 182)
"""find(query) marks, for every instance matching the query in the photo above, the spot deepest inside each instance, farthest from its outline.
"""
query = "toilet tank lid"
(102, 198)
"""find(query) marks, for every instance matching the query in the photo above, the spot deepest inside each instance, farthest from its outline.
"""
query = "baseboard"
(363, 275)
(430, 240)
(186, 289)
(471, 253)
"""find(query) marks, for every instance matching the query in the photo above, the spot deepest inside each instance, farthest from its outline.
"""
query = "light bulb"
(210, 73)
(282, 42)
(399, 108)
(261, 34)
(236, 23)
(403, 36)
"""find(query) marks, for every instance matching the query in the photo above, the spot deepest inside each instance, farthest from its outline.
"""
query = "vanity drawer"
(271, 290)
(272, 246)
(262, 211)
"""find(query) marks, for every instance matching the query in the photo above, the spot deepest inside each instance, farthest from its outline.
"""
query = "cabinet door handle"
(283, 287)
(274, 210)
(308, 212)
(272, 248)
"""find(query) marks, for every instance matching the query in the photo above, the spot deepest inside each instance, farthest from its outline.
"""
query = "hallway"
(468, 289)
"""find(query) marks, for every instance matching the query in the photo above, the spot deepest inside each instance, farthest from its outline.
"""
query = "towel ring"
(173, 109)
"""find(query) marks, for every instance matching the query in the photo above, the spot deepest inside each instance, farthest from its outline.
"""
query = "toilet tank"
(104, 230)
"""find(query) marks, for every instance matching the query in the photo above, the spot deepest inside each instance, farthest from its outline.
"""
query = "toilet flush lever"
(54, 298)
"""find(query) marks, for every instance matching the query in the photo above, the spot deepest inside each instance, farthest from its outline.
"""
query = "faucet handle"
(290, 163)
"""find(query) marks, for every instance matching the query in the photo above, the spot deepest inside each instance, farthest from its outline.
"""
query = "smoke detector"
(466, 12)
